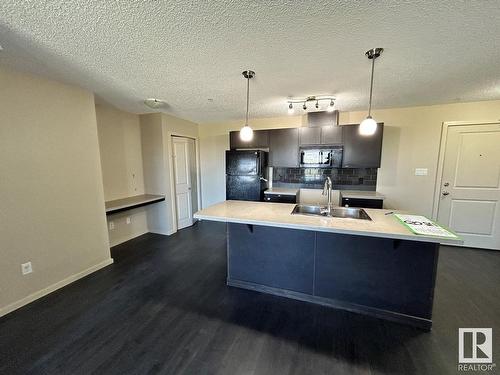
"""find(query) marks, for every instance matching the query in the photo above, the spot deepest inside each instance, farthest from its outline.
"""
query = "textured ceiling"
(186, 52)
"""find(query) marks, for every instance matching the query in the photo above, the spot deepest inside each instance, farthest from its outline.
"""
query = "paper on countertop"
(424, 226)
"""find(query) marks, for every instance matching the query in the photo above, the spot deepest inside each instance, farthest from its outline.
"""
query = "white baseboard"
(51, 288)
(126, 238)
(165, 233)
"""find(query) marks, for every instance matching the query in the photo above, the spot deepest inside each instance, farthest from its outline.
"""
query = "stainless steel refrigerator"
(246, 175)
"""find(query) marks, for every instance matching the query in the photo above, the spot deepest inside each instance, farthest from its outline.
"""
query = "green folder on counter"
(424, 226)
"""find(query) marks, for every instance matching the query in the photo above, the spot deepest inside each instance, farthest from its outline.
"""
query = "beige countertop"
(360, 194)
(279, 215)
(281, 191)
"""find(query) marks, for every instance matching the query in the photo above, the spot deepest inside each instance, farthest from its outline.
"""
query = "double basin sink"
(341, 212)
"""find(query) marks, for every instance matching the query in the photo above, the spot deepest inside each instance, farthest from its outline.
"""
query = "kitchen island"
(376, 267)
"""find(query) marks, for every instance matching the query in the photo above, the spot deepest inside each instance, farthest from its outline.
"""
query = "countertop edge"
(282, 192)
(394, 236)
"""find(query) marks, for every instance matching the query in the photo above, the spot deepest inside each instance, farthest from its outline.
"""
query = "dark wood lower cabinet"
(362, 203)
(280, 198)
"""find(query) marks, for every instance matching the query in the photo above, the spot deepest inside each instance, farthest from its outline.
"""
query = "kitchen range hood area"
(302, 157)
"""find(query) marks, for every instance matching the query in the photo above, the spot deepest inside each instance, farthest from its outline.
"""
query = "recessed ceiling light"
(154, 103)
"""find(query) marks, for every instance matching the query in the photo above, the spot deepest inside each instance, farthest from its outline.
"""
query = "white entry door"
(469, 200)
(182, 182)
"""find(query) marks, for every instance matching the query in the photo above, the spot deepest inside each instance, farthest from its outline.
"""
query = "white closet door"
(182, 182)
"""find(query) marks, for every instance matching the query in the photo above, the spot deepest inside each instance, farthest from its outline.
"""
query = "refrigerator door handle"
(257, 159)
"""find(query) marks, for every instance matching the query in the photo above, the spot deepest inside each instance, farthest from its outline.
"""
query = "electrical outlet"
(111, 225)
(128, 220)
(26, 268)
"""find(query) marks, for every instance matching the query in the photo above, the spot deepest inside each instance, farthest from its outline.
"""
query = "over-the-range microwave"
(321, 157)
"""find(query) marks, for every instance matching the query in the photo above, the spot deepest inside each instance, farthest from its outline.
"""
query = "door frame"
(442, 150)
(173, 202)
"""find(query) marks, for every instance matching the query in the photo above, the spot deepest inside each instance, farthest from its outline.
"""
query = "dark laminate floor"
(163, 307)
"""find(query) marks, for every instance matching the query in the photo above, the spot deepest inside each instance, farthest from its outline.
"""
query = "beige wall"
(51, 193)
(155, 172)
(121, 152)
(121, 161)
(156, 132)
(411, 140)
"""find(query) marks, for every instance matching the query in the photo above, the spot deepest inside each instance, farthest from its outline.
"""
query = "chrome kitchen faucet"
(327, 189)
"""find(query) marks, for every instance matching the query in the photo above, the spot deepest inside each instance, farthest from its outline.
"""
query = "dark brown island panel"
(386, 278)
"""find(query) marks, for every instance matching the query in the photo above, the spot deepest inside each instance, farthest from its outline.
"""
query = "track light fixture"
(316, 99)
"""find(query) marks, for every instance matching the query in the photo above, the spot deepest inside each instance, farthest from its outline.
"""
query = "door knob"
(445, 193)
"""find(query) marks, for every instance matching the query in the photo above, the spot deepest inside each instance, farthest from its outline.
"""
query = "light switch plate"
(111, 225)
(128, 220)
(421, 171)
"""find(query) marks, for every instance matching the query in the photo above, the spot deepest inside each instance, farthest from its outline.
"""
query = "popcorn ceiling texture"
(187, 52)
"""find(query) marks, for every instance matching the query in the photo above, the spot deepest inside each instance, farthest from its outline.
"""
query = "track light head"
(330, 106)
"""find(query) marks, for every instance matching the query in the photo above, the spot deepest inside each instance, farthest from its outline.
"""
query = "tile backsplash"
(315, 177)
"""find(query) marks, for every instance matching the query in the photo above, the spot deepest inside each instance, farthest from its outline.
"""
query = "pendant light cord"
(371, 88)
(248, 98)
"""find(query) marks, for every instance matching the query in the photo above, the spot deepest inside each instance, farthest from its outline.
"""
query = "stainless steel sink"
(342, 212)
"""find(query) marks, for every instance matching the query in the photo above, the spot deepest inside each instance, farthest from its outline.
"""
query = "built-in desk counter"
(129, 203)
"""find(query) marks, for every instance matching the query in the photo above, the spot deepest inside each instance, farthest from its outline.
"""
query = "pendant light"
(369, 126)
(246, 132)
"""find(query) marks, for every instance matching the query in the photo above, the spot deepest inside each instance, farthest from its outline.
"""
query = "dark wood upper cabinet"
(332, 135)
(260, 140)
(284, 147)
(324, 135)
(322, 118)
(361, 151)
(309, 136)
